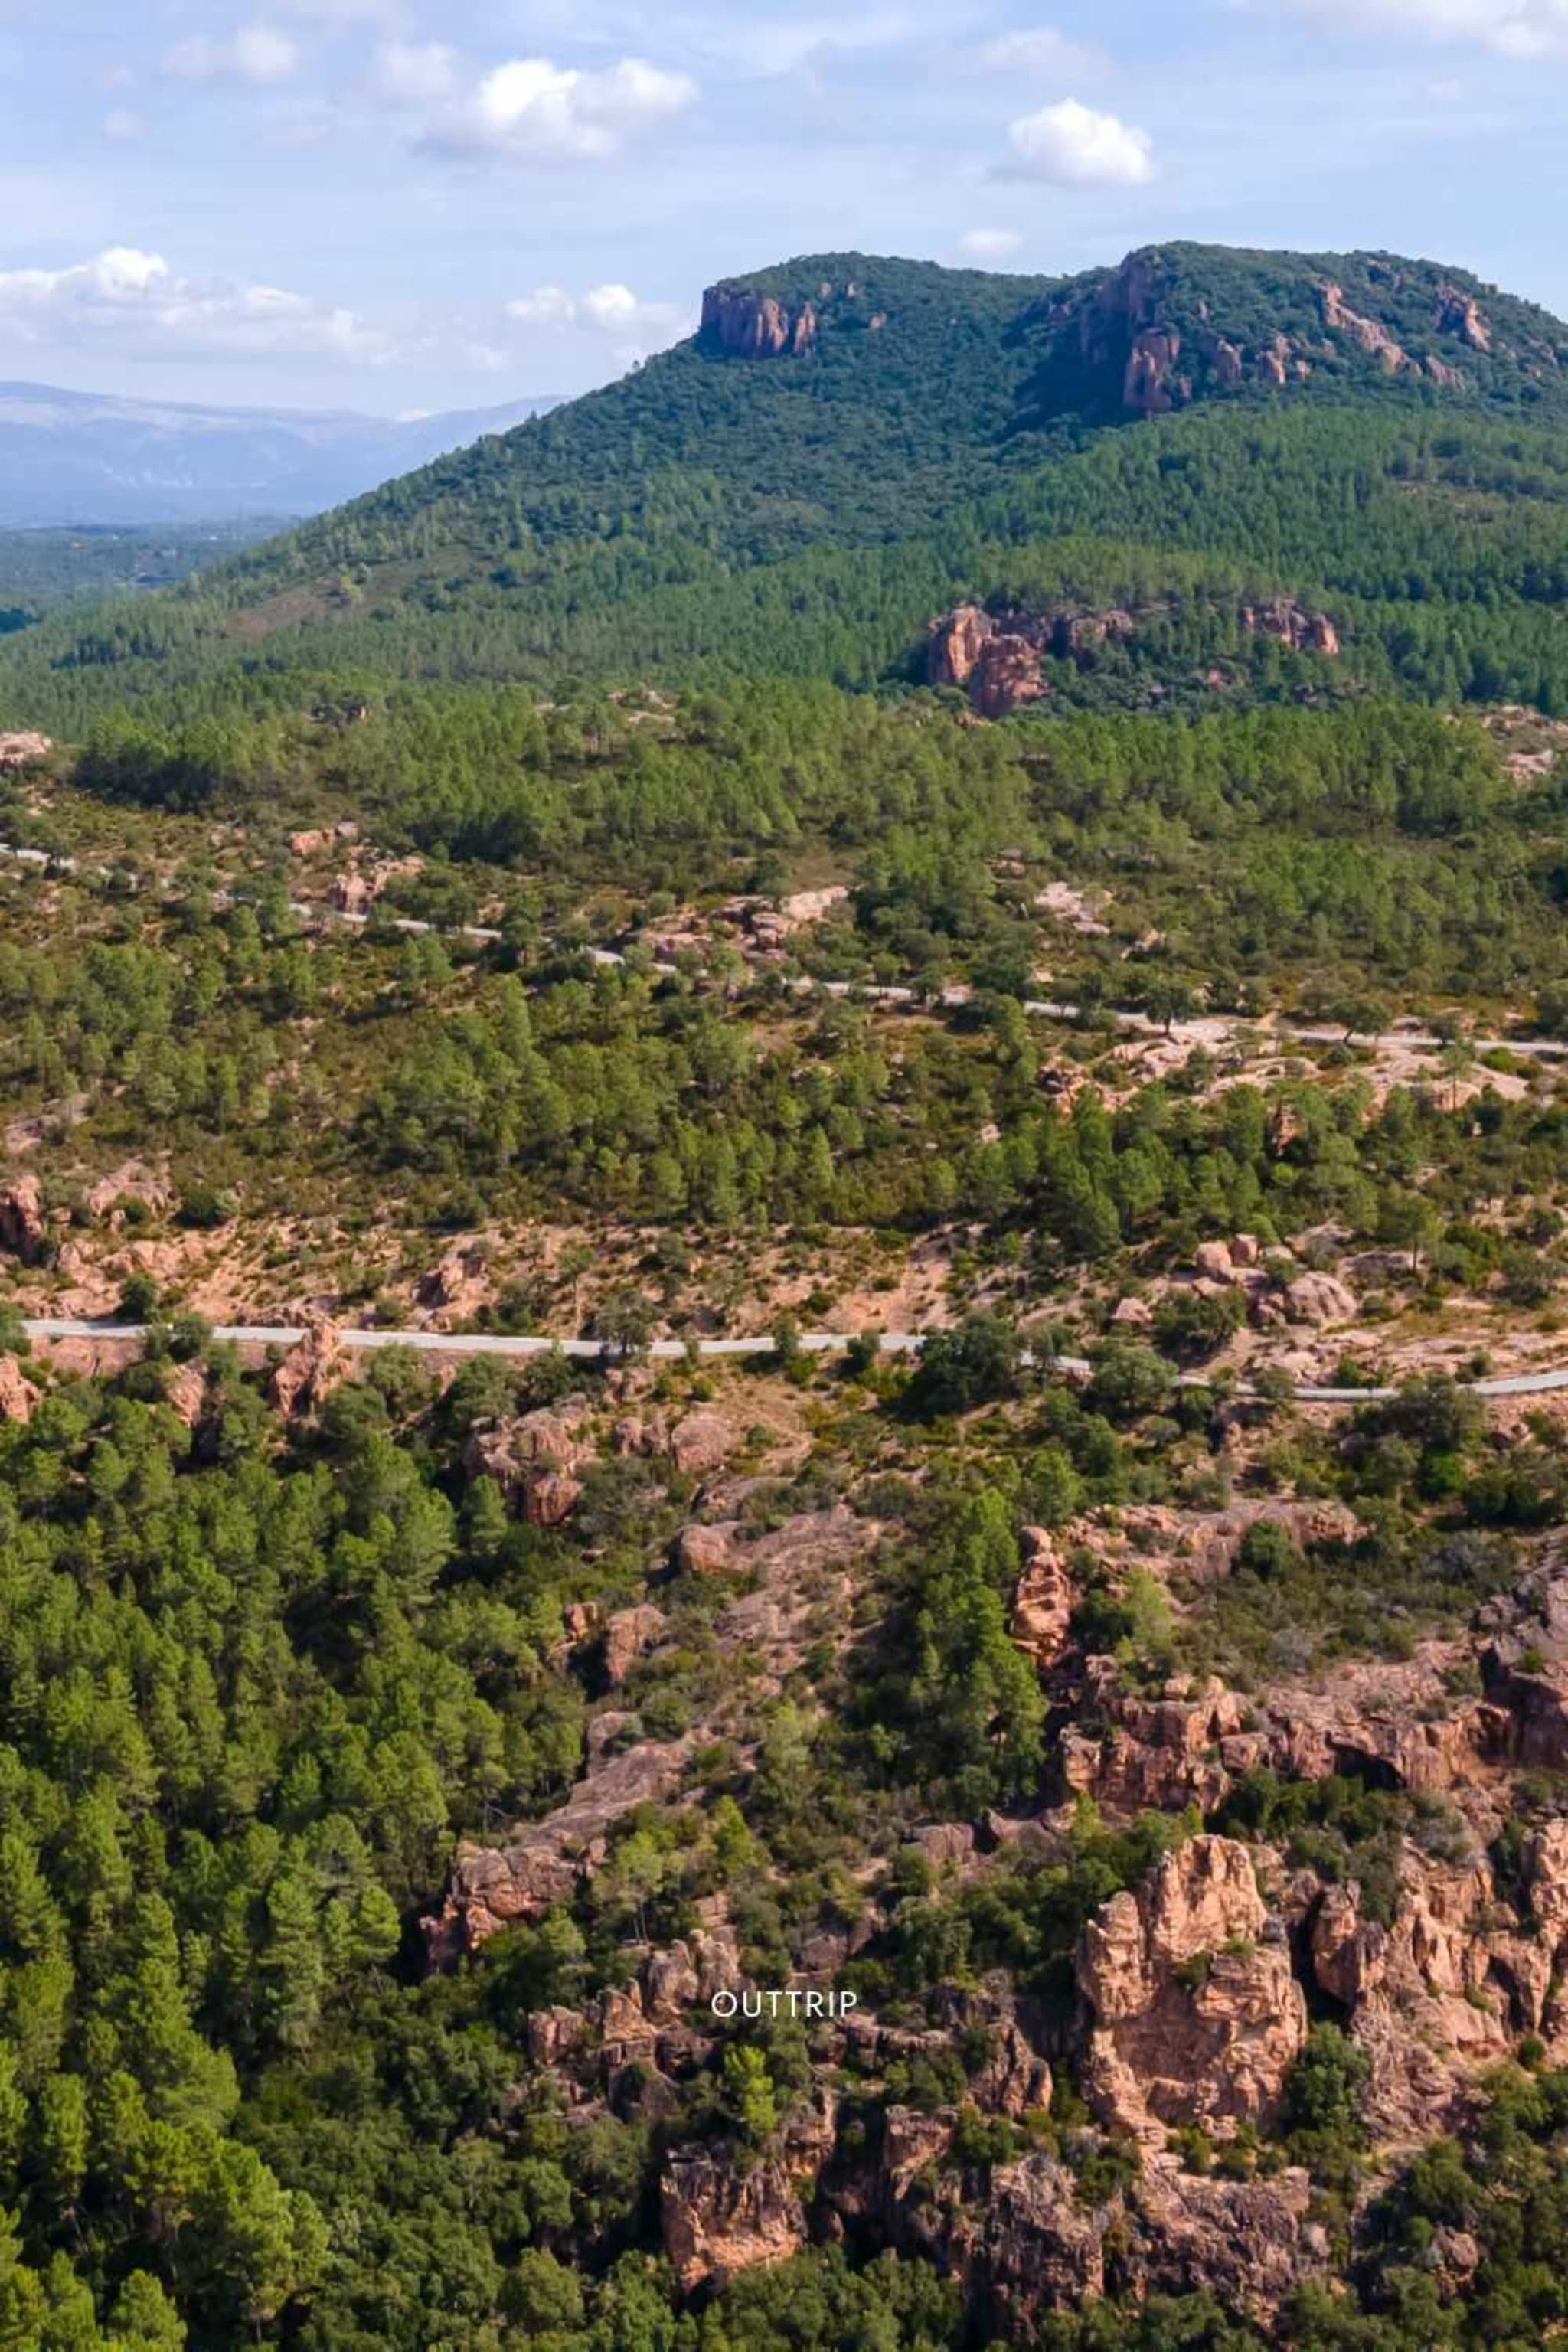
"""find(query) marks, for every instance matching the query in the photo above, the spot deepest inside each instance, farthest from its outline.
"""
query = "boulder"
(1319, 1298)
(706, 1551)
(629, 1635)
(700, 1441)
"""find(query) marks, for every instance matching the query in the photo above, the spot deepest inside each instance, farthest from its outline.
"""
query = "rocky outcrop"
(957, 639)
(629, 1635)
(1460, 314)
(717, 2220)
(1367, 334)
(1150, 385)
(1196, 2014)
(702, 1440)
(756, 326)
(545, 1862)
(17, 1394)
(1042, 1600)
(1282, 618)
(20, 749)
(311, 1370)
(534, 1459)
(24, 1229)
(1319, 1298)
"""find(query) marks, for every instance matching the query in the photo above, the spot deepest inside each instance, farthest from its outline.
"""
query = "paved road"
(1308, 1033)
(892, 1343)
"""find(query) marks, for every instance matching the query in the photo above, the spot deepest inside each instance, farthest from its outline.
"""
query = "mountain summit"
(849, 444)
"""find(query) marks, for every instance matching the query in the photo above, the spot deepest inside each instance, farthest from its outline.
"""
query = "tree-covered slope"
(848, 443)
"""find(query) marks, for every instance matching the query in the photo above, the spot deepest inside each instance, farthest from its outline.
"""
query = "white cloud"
(121, 122)
(256, 53)
(1514, 28)
(989, 244)
(531, 109)
(1073, 146)
(610, 310)
(135, 297)
(547, 306)
(415, 73)
(1039, 49)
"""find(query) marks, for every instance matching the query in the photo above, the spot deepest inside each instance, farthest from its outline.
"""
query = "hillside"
(783, 1221)
(848, 445)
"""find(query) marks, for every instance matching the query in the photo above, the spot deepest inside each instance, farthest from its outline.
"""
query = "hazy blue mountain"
(76, 457)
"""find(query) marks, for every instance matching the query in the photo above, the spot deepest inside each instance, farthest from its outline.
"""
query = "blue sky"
(395, 205)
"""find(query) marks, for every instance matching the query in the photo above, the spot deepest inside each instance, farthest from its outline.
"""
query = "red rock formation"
(544, 1862)
(17, 1394)
(1195, 2013)
(1149, 385)
(533, 1458)
(700, 1441)
(756, 326)
(629, 1635)
(717, 2220)
(956, 640)
(1043, 1601)
(23, 1228)
(1294, 627)
(1006, 676)
(1460, 314)
(1370, 338)
(311, 1371)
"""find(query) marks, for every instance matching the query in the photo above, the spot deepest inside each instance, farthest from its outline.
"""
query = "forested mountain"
(847, 444)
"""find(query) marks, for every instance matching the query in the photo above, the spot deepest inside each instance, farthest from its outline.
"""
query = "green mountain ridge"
(1356, 427)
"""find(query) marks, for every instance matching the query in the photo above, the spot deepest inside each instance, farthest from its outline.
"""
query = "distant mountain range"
(83, 457)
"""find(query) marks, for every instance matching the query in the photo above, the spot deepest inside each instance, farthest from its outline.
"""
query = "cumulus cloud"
(1073, 146)
(610, 310)
(135, 297)
(1515, 28)
(989, 244)
(256, 53)
(532, 110)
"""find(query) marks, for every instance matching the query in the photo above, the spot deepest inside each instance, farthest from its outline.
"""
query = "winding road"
(447, 1343)
(317, 918)
(599, 1352)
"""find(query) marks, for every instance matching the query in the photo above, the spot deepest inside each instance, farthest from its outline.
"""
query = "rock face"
(534, 1459)
(1319, 1298)
(1286, 620)
(717, 2220)
(700, 1443)
(1195, 2013)
(1366, 333)
(1043, 1601)
(1460, 314)
(756, 326)
(23, 1231)
(546, 1861)
(311, 1371)
(17, 1394)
